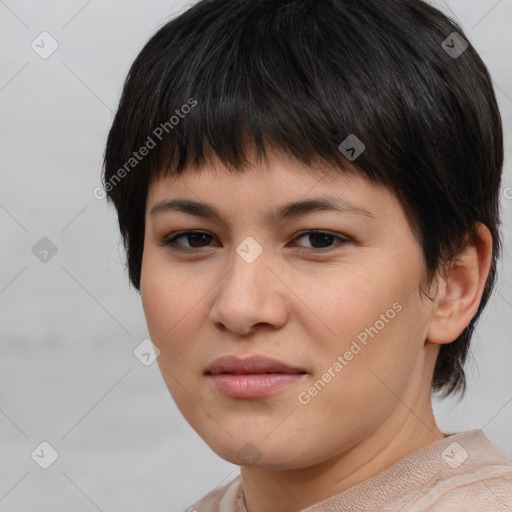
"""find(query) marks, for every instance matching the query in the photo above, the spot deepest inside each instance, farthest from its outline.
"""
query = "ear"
(460, 289)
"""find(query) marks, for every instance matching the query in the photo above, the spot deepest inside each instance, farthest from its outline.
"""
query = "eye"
(196, 238)
(323, 239)
(320, 240)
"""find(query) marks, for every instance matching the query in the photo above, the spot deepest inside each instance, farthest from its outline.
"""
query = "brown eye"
(321, 239)
(196, 239)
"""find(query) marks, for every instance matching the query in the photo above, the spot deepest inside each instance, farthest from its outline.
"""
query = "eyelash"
(170, 241)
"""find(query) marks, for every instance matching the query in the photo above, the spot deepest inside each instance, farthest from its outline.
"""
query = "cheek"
(373, 320)
(347, 306)
(175, 303)
(171, 308)
(167, 300)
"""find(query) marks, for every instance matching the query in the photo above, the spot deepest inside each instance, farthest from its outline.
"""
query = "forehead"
(275, 176)
(279, 189)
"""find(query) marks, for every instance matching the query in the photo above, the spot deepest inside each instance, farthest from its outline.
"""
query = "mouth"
(253, 377)
(252, 365)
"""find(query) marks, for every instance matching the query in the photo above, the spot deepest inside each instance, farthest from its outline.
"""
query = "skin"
(305, 309)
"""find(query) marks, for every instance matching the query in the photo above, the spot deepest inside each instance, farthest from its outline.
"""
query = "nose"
(250, 296)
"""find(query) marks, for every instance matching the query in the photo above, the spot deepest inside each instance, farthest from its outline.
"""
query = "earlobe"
(460, 289)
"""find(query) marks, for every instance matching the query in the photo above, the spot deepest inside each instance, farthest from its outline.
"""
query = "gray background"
(69, 326)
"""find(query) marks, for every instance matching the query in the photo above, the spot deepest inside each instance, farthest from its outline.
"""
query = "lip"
(250, 365)
(252, 377)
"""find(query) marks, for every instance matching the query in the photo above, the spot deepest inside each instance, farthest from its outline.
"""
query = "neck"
(292, 490)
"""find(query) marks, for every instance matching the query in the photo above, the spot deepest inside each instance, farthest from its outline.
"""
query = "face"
(329, 293)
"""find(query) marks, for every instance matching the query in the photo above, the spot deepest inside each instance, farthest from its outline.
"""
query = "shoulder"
(461, 473)
(475, 475)
(228, 498)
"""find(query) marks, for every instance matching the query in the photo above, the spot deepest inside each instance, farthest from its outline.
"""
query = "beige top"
(463, 472)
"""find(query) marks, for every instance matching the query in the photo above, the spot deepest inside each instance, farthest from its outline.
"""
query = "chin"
(263, 453)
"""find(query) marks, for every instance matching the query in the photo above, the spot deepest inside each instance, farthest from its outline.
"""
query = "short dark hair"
(229, 76)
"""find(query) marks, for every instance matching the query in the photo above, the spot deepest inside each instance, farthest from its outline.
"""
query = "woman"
(308, 196)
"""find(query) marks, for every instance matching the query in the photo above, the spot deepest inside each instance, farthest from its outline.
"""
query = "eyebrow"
(287, 211)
